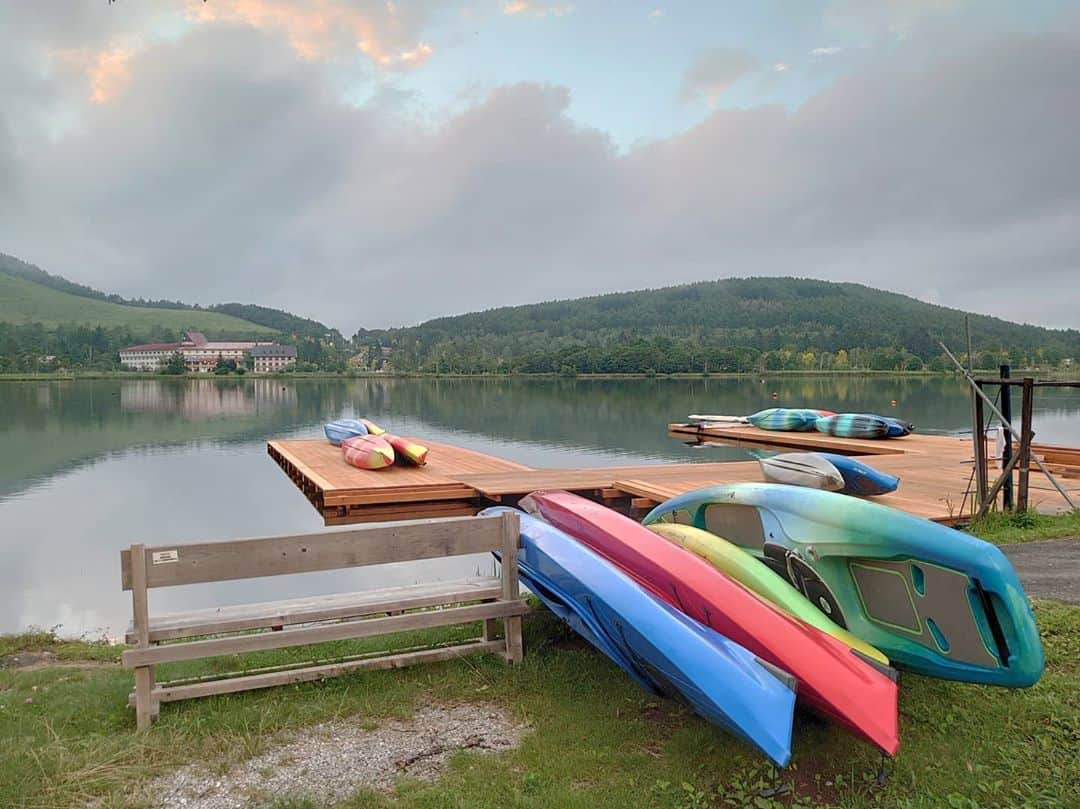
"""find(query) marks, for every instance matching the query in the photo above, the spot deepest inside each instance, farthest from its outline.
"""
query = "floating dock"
(935, 474)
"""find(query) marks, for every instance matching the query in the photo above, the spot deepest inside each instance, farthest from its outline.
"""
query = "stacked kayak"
(828, 472)
(366, 445)
(862, 425)
(338, 431)
(934, 600)
(787, 419)
(663, 650)
(856, 692)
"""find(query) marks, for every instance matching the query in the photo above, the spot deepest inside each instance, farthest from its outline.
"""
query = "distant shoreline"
(134, 375)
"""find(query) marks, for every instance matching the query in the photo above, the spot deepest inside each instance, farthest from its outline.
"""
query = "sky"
(378, 163)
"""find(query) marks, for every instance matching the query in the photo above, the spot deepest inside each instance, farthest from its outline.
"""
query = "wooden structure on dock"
(935, 473)
(223, 631)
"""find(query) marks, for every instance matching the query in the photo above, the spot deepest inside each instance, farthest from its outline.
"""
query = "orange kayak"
(368, 452)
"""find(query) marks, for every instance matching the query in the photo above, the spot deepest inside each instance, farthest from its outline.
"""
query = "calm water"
(87, 468)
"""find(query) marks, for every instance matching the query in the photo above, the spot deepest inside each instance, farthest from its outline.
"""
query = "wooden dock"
(935, 476)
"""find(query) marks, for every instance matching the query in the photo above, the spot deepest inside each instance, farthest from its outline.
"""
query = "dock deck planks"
(934, 470)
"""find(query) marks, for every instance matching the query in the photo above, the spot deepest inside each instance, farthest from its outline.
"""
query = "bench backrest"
(168, 565)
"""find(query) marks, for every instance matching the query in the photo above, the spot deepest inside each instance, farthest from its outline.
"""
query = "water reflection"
(87, 468)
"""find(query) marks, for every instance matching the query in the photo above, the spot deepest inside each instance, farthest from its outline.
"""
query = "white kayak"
(806, 469)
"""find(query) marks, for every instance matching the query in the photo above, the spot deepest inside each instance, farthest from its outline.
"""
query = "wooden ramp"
(935, 474)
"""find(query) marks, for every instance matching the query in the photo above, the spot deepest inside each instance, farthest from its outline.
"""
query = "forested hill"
(739, 324)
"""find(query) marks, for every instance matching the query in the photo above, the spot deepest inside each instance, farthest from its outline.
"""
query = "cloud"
(656, 13)
(323, 29)
(897, 18)
(829, 51)
(713, 72)
(107, 71)
(229, 170)
(780, 67)
(538, 9)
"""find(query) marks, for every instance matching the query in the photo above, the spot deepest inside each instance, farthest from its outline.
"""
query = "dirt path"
(1049, 568)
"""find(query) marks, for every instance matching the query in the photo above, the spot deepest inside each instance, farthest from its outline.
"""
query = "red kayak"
(857, 694)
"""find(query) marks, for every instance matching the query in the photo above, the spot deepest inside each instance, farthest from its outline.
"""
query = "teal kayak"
(935, 600)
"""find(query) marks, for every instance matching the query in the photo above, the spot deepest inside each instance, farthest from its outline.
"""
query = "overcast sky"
(380, 163)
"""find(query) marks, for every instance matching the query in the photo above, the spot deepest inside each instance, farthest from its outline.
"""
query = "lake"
(89, 467)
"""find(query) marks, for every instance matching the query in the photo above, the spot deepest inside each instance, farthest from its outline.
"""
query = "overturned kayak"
(898, 428)
(759, 577)
(809, 469)
(785, 419)
(853, 425)
(934, 600)
(367, 452)
(858, 693)
(338, 431)
(408, 451)
(662, 649)
(861, 480)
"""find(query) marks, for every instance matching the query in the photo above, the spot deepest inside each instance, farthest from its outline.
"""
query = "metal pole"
(1008, 427)
(1006, 451)
(979, 443)
(1026, 402)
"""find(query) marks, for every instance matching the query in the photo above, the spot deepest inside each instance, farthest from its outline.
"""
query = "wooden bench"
(287, 623)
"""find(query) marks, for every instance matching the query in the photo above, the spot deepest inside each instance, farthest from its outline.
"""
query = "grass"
(23, 301)
(1004, 528)
(596, 740)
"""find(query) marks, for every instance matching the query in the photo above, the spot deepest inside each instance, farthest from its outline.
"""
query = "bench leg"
(491, 629)
(514, 646)
(145, 709)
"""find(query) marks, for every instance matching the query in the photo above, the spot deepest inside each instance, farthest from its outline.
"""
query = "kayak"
(802, 469)
(659, 647)
(936, 601)
(853, 425)
(898, 428)
(861, 479)
(759, 577)
(785, 419)
(367, 452)
(855, 692)
(338, 431)
(372, 427)
(408, 451)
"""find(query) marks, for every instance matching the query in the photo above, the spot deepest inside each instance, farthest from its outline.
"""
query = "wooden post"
(1027, 402)
(144, 675)
(1006, 452)
(511, 536)
(979, 447)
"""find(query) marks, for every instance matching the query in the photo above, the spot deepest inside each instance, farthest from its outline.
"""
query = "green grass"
(1004, 528)
(23, 301)
(596, 741)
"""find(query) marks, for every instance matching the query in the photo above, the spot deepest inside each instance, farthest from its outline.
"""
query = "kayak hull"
(936, 601)
(408, 451)
(853, 425)
(337, 431)
(369, 452)
(659, 647)
(838, 683)
(785, 419)
(809, 469)
(861, 479)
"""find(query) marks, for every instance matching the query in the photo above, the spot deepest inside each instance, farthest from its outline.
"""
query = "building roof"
(273, 351)
(196, 337)
(153, 347)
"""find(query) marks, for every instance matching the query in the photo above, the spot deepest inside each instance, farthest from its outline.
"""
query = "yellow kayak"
(760, 579)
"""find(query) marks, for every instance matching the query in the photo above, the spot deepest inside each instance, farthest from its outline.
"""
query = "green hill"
(739, 324)
(23, 302)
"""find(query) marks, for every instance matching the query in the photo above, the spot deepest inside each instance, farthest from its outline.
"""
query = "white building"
(200, 355)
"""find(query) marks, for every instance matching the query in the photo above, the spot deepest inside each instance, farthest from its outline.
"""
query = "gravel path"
(330, 762)
(1049, 568)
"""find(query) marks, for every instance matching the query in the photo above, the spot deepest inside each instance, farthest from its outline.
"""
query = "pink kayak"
(367, 452)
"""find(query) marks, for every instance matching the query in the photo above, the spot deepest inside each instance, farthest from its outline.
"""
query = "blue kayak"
(663, 650)
(859, 478)
(338, 431)
(898, 428)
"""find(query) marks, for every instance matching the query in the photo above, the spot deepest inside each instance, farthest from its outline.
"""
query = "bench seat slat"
(347, 630)
(286, 612)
